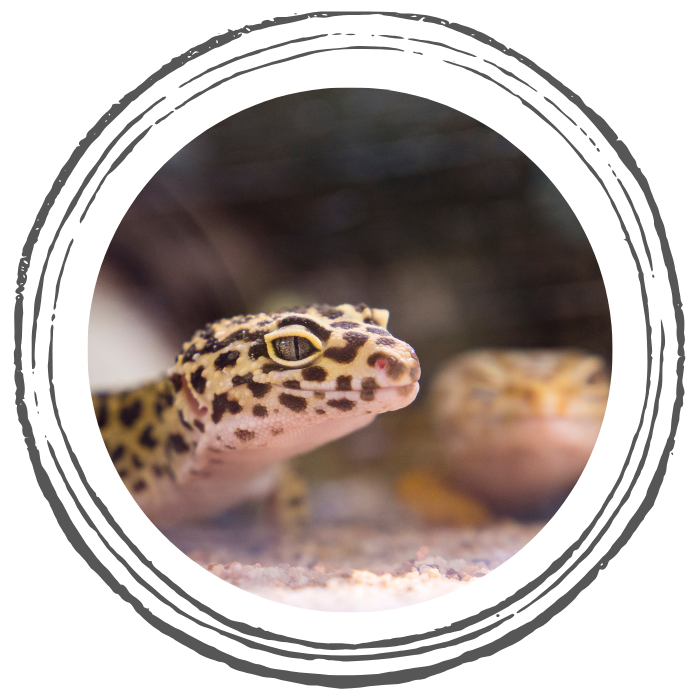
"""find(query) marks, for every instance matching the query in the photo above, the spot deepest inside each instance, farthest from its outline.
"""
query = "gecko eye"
(293, 348)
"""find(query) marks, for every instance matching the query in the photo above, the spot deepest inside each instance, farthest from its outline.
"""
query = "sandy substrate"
(350, 566)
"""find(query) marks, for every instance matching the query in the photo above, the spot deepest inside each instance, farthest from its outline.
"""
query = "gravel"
(352, 567)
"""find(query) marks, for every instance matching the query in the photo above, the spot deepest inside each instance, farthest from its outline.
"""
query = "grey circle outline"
(331, 680)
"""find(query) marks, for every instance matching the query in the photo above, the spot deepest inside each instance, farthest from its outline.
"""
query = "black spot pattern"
(199, 383)
(377, 330)
(146, 439)
(341, 404)
(314, 374)
(183, 421)
(214, 345)
(257, 350)
(241, 379)
(329, 311)
(227, 359)
(258, 390)
(130, 414)
(222, 405)
(177, 380)
(244, 435)
(355, 336)
(101, 412)
(354, 341)
(162, 471)
(343, 383)
(293, 403)
(189, 354)
(395, 368)
(368, 387)
(177, 443)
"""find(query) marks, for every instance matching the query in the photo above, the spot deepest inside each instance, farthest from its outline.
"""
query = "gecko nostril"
(380, 364)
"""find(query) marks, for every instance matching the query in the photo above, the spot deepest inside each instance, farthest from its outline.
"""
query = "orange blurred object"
(429, 497)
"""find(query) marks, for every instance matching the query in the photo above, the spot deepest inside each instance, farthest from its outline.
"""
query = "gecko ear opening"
(192, 401)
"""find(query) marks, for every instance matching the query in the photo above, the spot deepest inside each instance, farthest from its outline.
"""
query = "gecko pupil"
(292, 347)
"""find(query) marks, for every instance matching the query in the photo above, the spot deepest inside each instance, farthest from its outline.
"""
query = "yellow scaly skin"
(246, 393)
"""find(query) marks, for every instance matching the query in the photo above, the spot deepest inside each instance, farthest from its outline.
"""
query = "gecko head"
(325, 369)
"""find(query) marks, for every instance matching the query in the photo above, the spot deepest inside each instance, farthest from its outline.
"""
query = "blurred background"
(350, 195)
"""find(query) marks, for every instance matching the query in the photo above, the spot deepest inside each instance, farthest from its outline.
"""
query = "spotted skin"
(246, 393)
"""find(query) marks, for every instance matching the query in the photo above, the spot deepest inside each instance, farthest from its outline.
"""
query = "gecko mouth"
(383, 396)
(378, 393)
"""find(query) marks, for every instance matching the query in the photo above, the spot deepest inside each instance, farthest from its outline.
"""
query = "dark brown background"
(365, 196)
